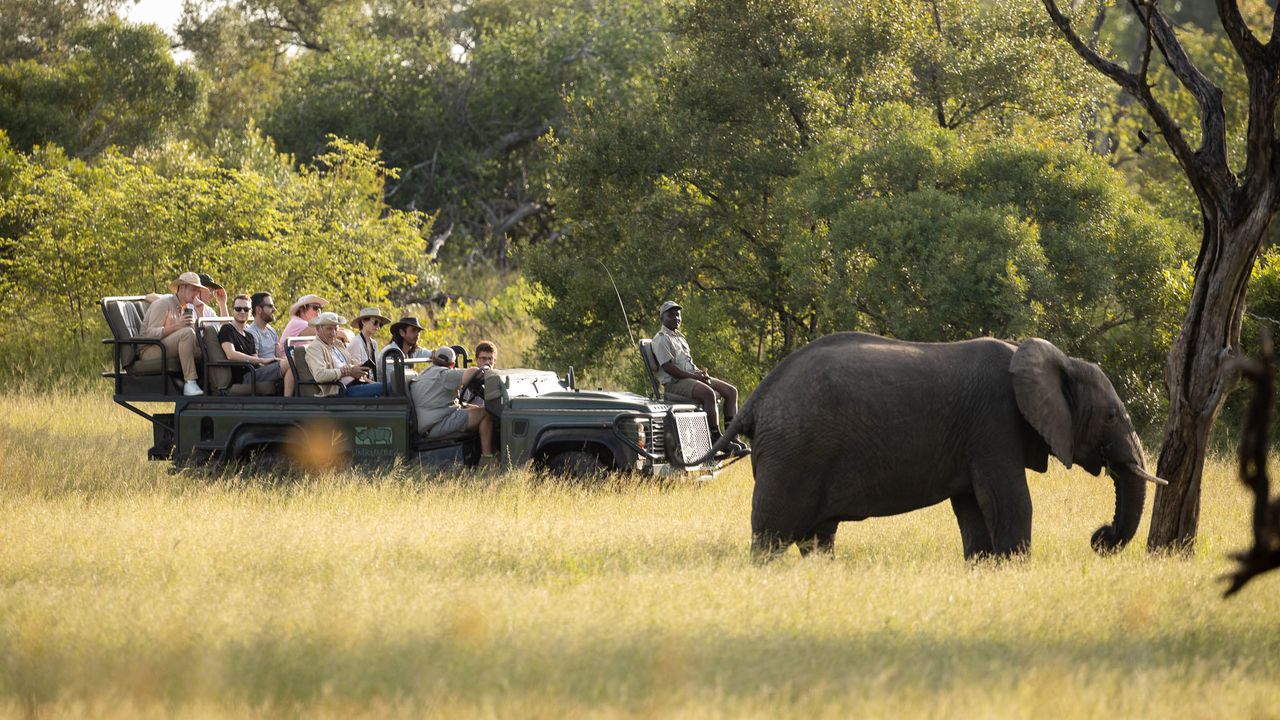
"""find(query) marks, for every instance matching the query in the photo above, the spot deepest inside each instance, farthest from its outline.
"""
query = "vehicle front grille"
(657, 436)
(692, 439)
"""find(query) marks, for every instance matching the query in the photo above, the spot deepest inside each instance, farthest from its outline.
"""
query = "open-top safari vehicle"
(541, 418)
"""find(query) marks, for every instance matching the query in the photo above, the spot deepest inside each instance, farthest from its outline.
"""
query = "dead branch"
(1264, 556)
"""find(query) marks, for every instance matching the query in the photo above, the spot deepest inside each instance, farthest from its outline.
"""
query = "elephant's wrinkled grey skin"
(854, 426)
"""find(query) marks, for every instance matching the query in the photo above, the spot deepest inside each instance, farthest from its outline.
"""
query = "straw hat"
(186, 278)
(307, 300)
(373, 313)
(327, 318)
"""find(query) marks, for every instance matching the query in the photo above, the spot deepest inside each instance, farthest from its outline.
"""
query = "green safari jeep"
(541, 419)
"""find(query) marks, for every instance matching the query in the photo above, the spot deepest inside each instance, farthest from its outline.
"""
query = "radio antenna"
(623, 307)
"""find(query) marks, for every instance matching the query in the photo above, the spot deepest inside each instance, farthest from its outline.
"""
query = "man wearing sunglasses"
(265, 337)
(240, 346)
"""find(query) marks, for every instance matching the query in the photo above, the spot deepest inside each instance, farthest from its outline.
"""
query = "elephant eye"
(1111, 417)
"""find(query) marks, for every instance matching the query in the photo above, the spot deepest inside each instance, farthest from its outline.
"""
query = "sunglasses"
(314, 307)
(240, 309)
(268, 305)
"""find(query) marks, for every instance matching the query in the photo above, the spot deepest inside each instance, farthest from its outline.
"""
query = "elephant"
(853, 426)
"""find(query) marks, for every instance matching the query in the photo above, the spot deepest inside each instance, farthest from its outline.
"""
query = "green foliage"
(457, 95)
(748, 177)
(116, 84)
(122, 225)
(41, 30)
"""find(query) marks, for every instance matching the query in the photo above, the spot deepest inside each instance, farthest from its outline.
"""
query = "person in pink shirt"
(300, 315)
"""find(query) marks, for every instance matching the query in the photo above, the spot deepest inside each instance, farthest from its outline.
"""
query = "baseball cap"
(668, 305)
(446, 353)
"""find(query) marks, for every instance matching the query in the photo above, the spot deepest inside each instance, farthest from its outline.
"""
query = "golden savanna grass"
(128, 590)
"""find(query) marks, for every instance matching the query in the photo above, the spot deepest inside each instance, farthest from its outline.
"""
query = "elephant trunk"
(1131, 492)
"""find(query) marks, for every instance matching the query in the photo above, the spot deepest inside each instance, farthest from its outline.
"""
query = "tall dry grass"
(129, 590)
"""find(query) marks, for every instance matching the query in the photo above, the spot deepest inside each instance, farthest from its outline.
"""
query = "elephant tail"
(742, 424)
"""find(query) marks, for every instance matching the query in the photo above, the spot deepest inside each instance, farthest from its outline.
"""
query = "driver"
(680, 376)
(435, 399)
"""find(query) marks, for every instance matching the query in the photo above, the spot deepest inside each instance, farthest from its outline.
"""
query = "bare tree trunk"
(1199, 374)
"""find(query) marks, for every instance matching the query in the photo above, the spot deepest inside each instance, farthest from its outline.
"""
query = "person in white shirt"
(363, 349)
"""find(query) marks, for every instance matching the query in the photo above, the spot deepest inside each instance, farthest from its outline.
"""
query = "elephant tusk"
(1147, 476)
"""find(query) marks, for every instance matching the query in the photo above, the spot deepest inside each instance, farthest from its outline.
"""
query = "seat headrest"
(124, 319)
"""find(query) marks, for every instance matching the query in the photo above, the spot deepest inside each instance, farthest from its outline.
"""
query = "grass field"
(129, 591)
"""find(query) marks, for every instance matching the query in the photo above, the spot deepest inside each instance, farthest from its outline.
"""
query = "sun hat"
(186, 278)
(307, 300)
(446, 353)
(327, 318)
(208, 282)
(407, 321)
(374, 313)
(667, 306)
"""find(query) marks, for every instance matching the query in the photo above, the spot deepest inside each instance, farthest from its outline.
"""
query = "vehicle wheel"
(270, 460)
(575, 464)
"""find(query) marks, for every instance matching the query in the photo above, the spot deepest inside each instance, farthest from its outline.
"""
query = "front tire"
(577, 464)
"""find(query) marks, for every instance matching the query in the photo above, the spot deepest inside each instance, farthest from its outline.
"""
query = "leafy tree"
(116, 84)
(80, 231)
(457, 96)
(40, 31)
(687, 187)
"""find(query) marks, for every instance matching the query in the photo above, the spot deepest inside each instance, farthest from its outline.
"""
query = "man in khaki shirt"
(680, 376)
(166, 321)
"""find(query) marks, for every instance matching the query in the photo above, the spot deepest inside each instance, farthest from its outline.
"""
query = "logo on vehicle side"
(374, 435)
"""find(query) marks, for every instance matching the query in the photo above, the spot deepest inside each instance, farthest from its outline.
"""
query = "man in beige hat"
(301, 313)
(363, 348)
(329, 364)
(171, 320)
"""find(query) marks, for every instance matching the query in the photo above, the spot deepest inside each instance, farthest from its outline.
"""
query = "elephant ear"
(1040, 385)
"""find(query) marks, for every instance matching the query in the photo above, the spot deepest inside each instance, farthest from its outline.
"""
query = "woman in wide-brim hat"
(363, 349)
(301, 312)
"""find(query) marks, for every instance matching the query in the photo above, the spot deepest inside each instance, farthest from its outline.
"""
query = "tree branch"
(1242, 38)
(1126, 80)
(515, 139)
(1213, 122)
(1264, 556)
(1206, 169)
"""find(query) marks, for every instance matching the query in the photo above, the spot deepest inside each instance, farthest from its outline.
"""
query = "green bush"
(72, 232)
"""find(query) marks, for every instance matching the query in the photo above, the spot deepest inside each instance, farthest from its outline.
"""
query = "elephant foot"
(820, 544)
(998, 558)
(767, 545)
(821, 541)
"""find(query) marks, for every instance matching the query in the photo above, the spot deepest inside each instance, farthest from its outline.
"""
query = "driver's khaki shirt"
(671, 346)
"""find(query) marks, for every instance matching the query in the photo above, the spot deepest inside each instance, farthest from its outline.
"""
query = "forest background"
(925, 169)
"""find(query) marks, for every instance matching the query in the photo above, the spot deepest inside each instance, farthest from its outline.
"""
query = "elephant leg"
(974, 534)
(822, 540)
(768, 544)
(1005, 502)
(777, 520)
